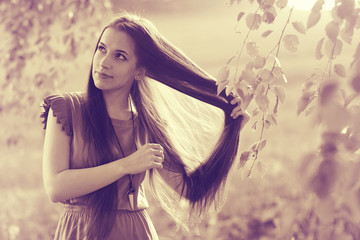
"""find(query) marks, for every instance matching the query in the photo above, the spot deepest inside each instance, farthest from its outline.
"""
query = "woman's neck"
(117, 105)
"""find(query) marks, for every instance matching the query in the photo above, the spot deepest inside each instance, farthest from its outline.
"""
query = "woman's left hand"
(237, 111)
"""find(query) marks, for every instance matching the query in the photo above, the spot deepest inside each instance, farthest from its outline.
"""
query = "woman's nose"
(105, 62)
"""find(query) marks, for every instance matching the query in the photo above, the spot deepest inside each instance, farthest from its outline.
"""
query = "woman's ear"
(140, 73)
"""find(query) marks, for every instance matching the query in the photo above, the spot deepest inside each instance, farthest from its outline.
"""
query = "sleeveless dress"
(131, 223)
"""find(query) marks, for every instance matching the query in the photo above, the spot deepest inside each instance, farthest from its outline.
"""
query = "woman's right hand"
(150, 155)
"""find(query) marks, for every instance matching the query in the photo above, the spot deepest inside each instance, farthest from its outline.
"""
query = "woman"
(99, 145)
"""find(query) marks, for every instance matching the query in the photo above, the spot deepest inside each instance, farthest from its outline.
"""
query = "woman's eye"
(120, 56)
(101, 49)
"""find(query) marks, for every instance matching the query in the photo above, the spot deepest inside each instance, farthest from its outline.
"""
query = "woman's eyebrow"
(117, 50)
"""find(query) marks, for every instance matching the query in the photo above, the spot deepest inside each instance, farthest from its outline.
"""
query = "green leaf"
(262, 102)
(318, 54)
(240, 15)
(318, 6)
(244, 157)
(299, 26)
(260, 90)
(280, 92)
(313, 19)
(276, 107)
(266, 33)
(264, 74)
(333, 49)
(345, 8)
(271, 119)
(248, 76)
(252, 49)
(258, 146)
(340, 70)
(281, 3)
(222, 78)
(253, 21)
(291, 42)
(259, 62)
(305, 100)
(355, 83)
(269, 15)
(332, 30)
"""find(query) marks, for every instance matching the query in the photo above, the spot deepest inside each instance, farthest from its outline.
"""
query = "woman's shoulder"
(64, 106)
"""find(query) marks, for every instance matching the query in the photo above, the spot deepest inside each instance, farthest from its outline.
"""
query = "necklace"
(131, 190)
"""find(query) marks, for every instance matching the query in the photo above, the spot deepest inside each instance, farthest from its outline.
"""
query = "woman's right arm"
(62, 183)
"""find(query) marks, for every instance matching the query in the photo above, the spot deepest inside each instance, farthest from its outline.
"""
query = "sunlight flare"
(306, 5)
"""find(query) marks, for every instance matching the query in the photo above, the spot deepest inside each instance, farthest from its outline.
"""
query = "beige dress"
(130, 224)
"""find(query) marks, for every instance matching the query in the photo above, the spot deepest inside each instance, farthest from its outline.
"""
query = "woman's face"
(114, 65)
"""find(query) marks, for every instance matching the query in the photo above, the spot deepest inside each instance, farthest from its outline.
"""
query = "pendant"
(131, 197)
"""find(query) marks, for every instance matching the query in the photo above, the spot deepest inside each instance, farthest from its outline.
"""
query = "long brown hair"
(168, 65)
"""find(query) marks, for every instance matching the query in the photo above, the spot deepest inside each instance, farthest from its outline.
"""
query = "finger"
(235, 111)
(158, 165)
(235, 100)
(237, 114)
(156, 146)
(158, 153)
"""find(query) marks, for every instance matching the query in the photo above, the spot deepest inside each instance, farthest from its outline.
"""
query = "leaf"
(327, 92)
(313, 19)
(349, 99)
(345, 8)
(281, 3)
(332, 30)
(255, 112)
(355, 83)
(244, 157)
(266, 3)
(332, 50)
(253, 127)
(347, 35)
(277, 71)
(356, 57)
(280, 92)
(318, 53)
(222, 79)
(249, 65)
(271, 119)
(291, 42)
(253, 21)
(299, 26)
(340, 70)
(228, 90)
(276, 107)
(252, 49)
(304, 101)
(269, 15)
(347, 31)
(262, 102)
(318, 6)
(264, 74)
(258, 146)
(260, 90)
(259, 62)
(248, 76)
(266, 33)
(240, 15)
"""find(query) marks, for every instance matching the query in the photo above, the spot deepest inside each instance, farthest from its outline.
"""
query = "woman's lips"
(103, 75)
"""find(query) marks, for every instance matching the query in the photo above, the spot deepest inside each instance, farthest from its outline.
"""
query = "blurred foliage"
(40, 35)
(327, 203)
